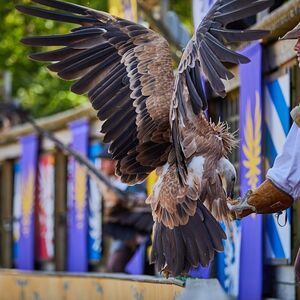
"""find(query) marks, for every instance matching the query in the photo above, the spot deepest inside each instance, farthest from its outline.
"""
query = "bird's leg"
(241, 204)
(166, 273)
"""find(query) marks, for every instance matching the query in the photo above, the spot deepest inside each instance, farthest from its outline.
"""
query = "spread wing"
(185, 232)
(205, 56)
(126, 71)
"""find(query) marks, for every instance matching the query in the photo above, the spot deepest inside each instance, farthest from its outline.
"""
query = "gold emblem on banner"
(252, 145)
(27, 202)
(80, 194)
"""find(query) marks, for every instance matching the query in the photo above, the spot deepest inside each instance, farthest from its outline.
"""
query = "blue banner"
(29, 155)
(137, 263)
(251, 257)
(17, 210)
(77, 201)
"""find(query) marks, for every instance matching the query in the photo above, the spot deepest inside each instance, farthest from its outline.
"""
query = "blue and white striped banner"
(277, 120)
(95, 209)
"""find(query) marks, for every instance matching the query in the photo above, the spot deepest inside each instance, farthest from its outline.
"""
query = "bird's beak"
(230, 190)
(228, 187)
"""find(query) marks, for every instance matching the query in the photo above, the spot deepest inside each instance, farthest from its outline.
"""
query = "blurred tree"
(184, 10)
(39, 90)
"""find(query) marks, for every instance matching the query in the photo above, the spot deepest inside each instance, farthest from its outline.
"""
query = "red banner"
(45, 209)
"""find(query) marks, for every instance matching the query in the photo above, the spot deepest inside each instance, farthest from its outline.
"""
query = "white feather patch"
(196, 166)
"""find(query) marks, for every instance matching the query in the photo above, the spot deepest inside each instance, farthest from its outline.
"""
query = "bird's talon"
(241, 204)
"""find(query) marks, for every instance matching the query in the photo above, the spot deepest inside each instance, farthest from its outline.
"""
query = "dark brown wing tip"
(177, 250)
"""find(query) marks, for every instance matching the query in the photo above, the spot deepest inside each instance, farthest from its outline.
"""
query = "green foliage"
(184, 11)
(39, 90)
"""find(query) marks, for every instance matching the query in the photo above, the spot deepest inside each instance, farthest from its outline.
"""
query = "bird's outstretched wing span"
(154, 120)
(126, 70)
(204, 55)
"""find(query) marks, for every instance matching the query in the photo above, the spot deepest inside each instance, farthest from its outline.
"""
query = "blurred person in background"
(128, 222)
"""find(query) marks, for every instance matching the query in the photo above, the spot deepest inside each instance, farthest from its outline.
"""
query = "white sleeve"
(285, 172)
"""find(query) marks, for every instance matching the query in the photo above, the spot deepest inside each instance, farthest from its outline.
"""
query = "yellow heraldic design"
(252, 146)
(80, 194)
(123, 9)
(27, 202)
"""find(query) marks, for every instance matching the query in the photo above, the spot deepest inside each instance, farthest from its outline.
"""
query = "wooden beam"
(40, 285)
(280, 20)
(51, 123)
(10, 151)
(6, 214)
(276, 53)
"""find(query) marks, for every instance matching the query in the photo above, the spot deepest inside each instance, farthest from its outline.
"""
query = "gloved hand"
(266, 199)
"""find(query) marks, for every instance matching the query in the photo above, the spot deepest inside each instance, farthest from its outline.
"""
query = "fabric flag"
(77, 201)
(251, 257)
(29, 150)
(17, 210)
(277, 120)
(126, 9)
(45, 209)
(136, 265)
(228, 262)
(200, 272)
(95, 209)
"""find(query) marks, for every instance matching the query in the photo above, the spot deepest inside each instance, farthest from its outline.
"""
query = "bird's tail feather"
(177, 250)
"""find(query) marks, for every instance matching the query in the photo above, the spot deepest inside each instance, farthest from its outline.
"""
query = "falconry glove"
(266, 199)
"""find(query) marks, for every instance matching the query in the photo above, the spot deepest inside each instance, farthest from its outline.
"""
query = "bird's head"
(227, 174)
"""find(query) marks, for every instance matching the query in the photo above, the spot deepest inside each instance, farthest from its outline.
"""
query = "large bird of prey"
(154, 119)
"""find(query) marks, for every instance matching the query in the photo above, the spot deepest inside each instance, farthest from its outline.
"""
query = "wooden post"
(6, 201)
(60, 240)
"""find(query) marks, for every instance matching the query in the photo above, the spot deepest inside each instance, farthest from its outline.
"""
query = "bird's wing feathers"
(150, 118)
(204, 56)
(206, 50)
(172, 202)
(126, 70)
(185, 233)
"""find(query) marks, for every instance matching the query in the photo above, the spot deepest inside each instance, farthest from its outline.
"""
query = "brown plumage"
(155, 120)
